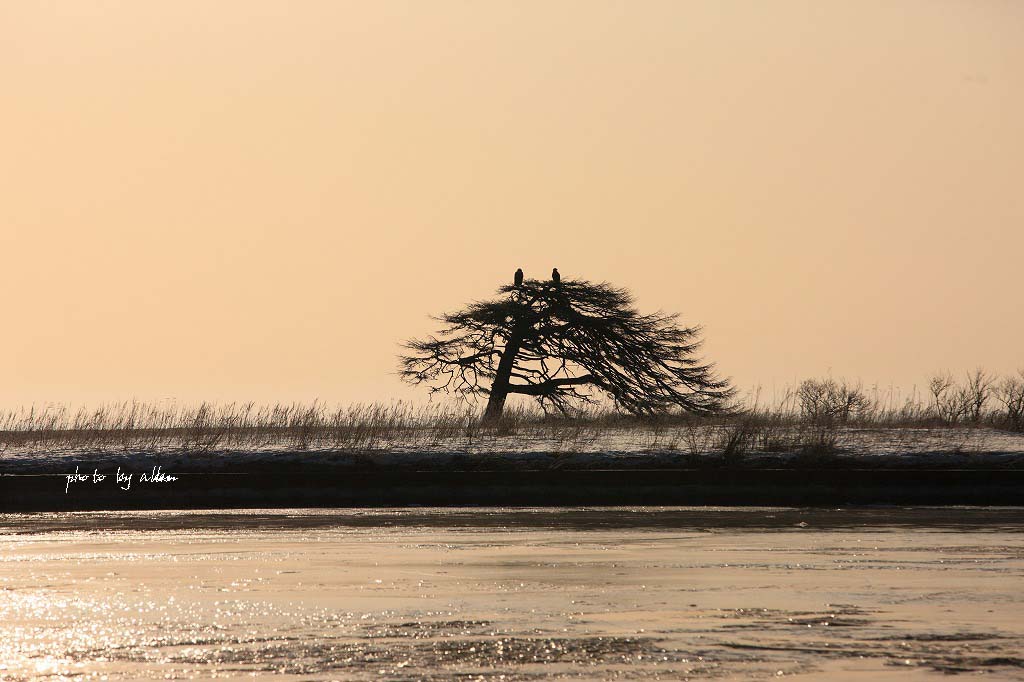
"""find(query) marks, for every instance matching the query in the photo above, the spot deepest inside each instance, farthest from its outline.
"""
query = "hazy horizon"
(262, 200)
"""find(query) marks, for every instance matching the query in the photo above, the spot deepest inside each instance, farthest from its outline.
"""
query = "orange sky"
(258, 200)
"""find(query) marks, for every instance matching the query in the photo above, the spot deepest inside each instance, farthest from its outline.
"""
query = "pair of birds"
(555, 277)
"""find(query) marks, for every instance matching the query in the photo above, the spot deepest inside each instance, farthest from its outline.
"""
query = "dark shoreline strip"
(322, 487)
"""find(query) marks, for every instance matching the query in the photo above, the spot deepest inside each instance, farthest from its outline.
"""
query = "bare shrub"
(955, 403)
(819, 446)
(950, 402)
(1010, 393)
(822, 440)
(979, 389)
(737, 439)
(699, 439)
(831, 400)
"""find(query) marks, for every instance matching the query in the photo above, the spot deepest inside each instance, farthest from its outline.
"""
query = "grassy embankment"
(816, 419)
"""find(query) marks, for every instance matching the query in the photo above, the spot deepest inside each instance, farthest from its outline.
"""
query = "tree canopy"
(566, 343)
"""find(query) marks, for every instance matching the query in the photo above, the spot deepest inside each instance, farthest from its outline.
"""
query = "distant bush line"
(809, 420)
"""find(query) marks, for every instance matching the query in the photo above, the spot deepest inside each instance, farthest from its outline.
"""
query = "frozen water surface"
(512, 594)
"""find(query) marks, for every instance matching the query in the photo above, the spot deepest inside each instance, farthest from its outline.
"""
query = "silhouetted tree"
(566, 344)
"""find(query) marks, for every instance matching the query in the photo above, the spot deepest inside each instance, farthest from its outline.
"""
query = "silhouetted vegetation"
(567, 343)
(815, 419)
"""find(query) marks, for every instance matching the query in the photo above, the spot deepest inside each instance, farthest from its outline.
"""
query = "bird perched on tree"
(519, 277)
(555, 277)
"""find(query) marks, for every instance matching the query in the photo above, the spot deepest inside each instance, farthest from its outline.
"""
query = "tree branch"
(551, 385)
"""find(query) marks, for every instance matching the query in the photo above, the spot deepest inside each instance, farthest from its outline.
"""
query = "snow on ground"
(677, 447)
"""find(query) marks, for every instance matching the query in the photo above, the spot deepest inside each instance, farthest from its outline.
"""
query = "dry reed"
(807, 419)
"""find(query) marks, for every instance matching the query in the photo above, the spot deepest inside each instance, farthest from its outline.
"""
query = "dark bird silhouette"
(519, 277)
(555, 277)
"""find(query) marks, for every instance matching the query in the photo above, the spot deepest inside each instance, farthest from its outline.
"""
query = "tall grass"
(207, 426)
(807, 419)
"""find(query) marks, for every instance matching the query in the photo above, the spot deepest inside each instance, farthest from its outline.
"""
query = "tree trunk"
(495, 406)
(502, 378)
